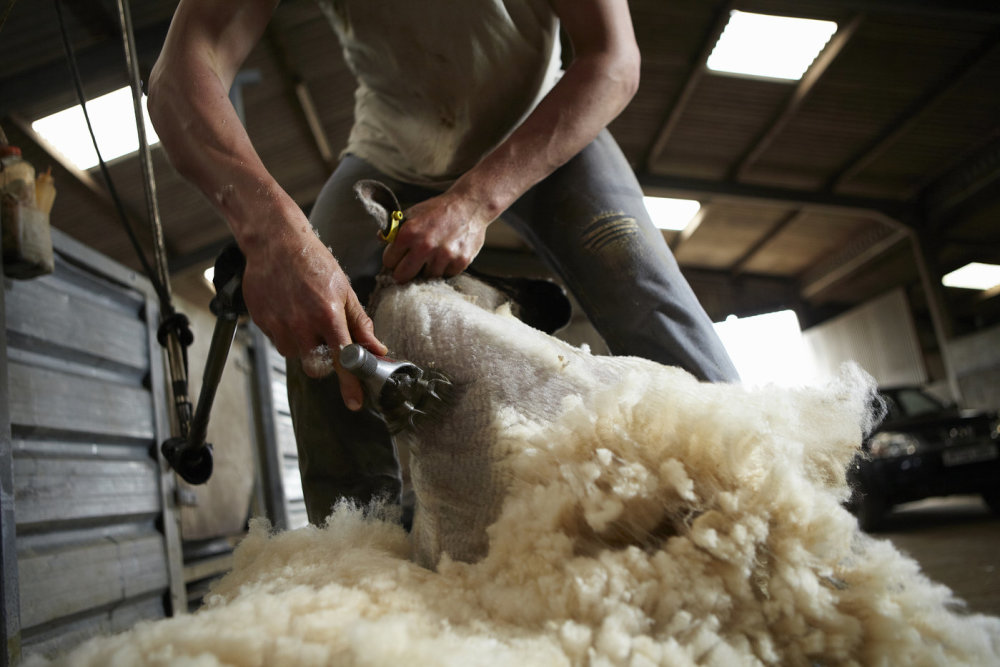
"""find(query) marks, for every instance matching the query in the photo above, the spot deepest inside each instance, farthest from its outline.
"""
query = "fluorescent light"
(113, 118)
(974, 276)
(673, 214)
(777, 47)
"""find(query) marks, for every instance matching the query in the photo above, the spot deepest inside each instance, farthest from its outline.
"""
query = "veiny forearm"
(198, 127)
(206, 142)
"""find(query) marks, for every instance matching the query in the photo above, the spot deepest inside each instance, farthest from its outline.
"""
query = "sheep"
(577, 509)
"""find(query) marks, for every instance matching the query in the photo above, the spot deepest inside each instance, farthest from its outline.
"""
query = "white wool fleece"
(582, 510)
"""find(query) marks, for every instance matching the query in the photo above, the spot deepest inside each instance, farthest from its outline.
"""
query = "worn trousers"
(588, 223)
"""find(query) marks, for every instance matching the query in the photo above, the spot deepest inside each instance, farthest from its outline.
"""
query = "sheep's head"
(466, 329)
(507, 376)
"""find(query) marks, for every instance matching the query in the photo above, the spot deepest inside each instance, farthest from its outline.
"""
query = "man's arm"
(295, 290)
(444, 234)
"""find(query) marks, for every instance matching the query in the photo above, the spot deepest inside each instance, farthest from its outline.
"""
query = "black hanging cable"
(161, 291)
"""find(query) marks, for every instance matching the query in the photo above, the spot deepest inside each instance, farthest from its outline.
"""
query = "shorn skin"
(582, 510)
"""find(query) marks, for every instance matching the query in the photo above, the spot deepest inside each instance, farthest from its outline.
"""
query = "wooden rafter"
(740, 264)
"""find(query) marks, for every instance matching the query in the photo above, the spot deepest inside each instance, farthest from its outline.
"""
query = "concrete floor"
(957, 543)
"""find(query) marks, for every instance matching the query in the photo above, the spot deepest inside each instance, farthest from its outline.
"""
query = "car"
(923, 448)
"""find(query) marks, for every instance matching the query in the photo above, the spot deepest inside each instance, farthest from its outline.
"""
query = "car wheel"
(870, 510)
(992, 499)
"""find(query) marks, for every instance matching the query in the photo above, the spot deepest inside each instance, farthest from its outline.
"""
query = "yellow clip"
(394, 223)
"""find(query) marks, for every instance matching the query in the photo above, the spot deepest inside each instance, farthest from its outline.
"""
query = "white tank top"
(442, 82)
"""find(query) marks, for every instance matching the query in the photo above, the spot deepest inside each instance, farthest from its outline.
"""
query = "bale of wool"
(581, 510)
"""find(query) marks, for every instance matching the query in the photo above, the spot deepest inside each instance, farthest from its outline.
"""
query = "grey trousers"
(588, 223)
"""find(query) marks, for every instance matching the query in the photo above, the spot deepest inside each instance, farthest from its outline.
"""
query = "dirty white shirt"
(442, 82)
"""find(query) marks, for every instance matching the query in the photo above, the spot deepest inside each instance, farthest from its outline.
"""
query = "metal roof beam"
(963, 10)
(902, 124)
(892, 212)
(977, 176)
(48, 88)
(96, 17)
(695, 72)
(851, 258)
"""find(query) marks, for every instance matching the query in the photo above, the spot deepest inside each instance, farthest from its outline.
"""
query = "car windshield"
(911, 403)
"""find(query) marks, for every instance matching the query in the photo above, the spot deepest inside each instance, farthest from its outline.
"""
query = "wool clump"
(582, 510)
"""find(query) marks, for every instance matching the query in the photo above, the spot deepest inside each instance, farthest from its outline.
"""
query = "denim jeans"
(588, 223)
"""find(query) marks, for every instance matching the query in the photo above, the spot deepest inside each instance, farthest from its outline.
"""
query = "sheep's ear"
(379, 200)
(539, 303)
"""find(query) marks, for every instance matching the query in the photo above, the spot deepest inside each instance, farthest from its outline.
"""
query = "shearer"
(465, 110)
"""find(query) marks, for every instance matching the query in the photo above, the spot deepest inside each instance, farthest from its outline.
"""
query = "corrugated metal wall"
(976, 360)
(97, 545)
(880, 336)
(280, 485)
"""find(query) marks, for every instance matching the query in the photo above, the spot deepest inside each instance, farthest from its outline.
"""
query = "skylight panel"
(113, 118)
(974, 275)
(775, 47)
(671, 214)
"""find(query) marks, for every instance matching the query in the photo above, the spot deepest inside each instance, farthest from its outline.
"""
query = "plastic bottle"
(17, 176)
(27, 237)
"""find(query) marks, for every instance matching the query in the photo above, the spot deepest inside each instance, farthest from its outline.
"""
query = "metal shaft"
(145, 157)
(222, 341)
(175, 351)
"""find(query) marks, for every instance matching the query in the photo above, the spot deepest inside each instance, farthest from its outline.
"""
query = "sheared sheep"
(576, 509)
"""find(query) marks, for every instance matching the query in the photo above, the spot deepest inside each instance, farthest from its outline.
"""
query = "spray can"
(26, 235)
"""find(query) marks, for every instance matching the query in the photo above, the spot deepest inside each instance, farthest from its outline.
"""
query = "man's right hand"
(294, 288)
(300, 298)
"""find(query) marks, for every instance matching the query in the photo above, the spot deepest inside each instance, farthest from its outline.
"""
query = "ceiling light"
(672, 214)
(776, 47)
(974, 276)
(113, 118)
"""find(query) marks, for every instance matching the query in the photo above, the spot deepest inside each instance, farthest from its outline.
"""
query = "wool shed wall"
(90, 530)
(976, 359)
(880, 336)
(280, 490)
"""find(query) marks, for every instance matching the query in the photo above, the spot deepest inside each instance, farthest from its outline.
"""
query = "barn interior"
(845, 195)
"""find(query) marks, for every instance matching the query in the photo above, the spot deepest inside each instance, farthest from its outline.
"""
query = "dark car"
(924, 448)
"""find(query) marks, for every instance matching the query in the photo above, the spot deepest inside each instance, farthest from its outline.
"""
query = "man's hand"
(300, 298)
(441, 237)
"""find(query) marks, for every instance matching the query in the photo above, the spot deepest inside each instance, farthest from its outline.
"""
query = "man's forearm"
(198, 127)
(206, 142)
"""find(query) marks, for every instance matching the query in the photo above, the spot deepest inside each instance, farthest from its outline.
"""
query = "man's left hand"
(440, 238)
